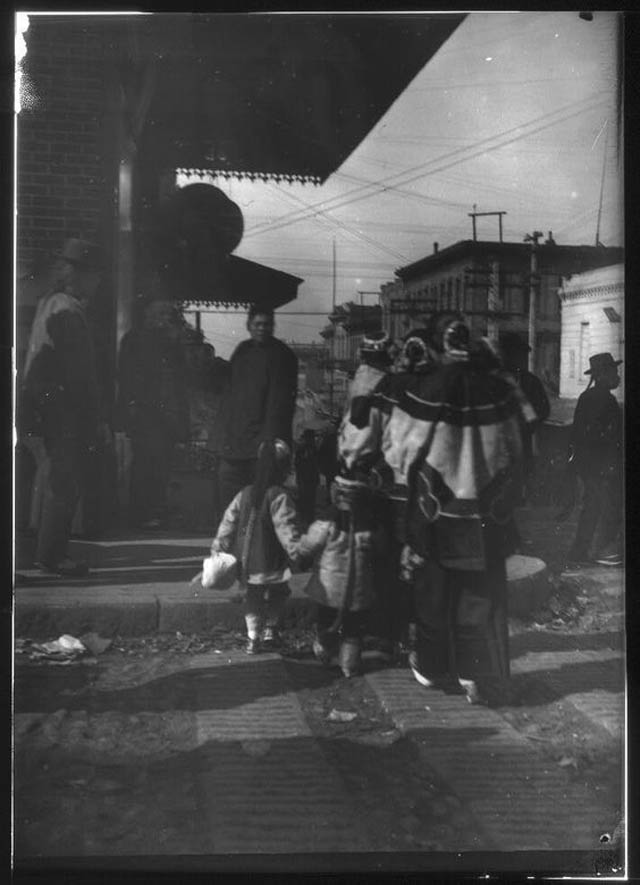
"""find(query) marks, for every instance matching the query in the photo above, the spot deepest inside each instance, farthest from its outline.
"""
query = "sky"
(516, 112)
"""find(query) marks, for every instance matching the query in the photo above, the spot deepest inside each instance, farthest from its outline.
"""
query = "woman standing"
(455, 439)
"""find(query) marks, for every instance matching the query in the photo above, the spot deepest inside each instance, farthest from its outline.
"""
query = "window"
(572, 363)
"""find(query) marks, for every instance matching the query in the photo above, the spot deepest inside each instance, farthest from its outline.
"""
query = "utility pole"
(534, 281)
(362, 294)
(333, 340)
(604, 166)
(493, 301)
(473, 215)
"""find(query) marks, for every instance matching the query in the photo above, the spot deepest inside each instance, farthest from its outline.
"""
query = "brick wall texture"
(62, 188)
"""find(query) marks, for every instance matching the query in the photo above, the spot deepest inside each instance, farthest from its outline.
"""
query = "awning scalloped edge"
(250, 176)
(191, 303)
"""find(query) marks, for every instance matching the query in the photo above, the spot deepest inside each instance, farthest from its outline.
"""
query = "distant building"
(490, 283)
(592, 322)
(312, 365)
(348, 325)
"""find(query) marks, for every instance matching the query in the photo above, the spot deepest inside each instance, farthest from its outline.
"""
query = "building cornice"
(591, 291)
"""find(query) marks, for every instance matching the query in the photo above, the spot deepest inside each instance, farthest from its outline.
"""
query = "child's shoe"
(349, 657)
(253, 646)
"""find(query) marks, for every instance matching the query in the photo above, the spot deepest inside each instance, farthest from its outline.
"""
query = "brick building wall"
(65, 165)
(63, 181)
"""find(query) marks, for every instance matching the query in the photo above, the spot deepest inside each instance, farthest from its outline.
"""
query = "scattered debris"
(95, 643)
(567, 761)
(379, 738)
(59, 651)
(341, 716)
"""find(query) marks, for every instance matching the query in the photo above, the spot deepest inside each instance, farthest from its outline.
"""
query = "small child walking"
(260, 527)
(347, 548)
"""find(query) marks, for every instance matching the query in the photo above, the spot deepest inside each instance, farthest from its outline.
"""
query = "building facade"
(312, 365)
(348, 324)
(491, 283)
(592, 306)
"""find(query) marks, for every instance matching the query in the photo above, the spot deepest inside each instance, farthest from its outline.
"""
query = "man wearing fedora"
(60, 400)
(595, 453)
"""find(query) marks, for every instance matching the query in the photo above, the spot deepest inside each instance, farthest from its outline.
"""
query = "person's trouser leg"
(152, 450)
(254, 609)
(391, 610)
(608, 534)
(275, 601)
(350, 655)
(354, 625)
(143, 490)
(434, 628)
(62, 491)
(326, 639)
(588, 518)
(481, 626)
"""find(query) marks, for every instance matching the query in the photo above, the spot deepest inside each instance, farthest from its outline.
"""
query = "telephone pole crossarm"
(473, 215)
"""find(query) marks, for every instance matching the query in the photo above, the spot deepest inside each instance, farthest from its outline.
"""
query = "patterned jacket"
(453, 437)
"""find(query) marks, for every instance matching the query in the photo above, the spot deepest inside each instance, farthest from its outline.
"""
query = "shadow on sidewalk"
(552, 684)
(135, 561)
(42, 689)
(544, 640)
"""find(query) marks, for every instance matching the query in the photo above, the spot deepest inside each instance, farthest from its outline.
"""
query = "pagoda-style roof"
(242, 282)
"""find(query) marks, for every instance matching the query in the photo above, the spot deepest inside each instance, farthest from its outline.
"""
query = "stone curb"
(135, 610)
(138, 610)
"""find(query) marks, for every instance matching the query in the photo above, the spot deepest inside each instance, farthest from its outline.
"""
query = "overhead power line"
(408, 176)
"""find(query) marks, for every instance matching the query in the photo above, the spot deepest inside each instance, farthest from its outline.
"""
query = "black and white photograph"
(318, 459)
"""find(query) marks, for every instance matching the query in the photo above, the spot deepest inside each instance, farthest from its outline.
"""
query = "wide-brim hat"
(599, 362)
(83, 254)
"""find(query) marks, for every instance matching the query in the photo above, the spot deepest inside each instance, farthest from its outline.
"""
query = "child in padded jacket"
(260, 527)
(348, 549)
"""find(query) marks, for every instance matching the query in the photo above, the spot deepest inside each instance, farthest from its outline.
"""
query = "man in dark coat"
(595, 452)
(60, 399)
(153, 407)
(259, 403)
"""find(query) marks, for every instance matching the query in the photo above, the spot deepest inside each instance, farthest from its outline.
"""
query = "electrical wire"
(414, 175)
(357, 234)
(365, 183)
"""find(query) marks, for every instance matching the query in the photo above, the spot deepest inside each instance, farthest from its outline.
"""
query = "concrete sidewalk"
(140, 585)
